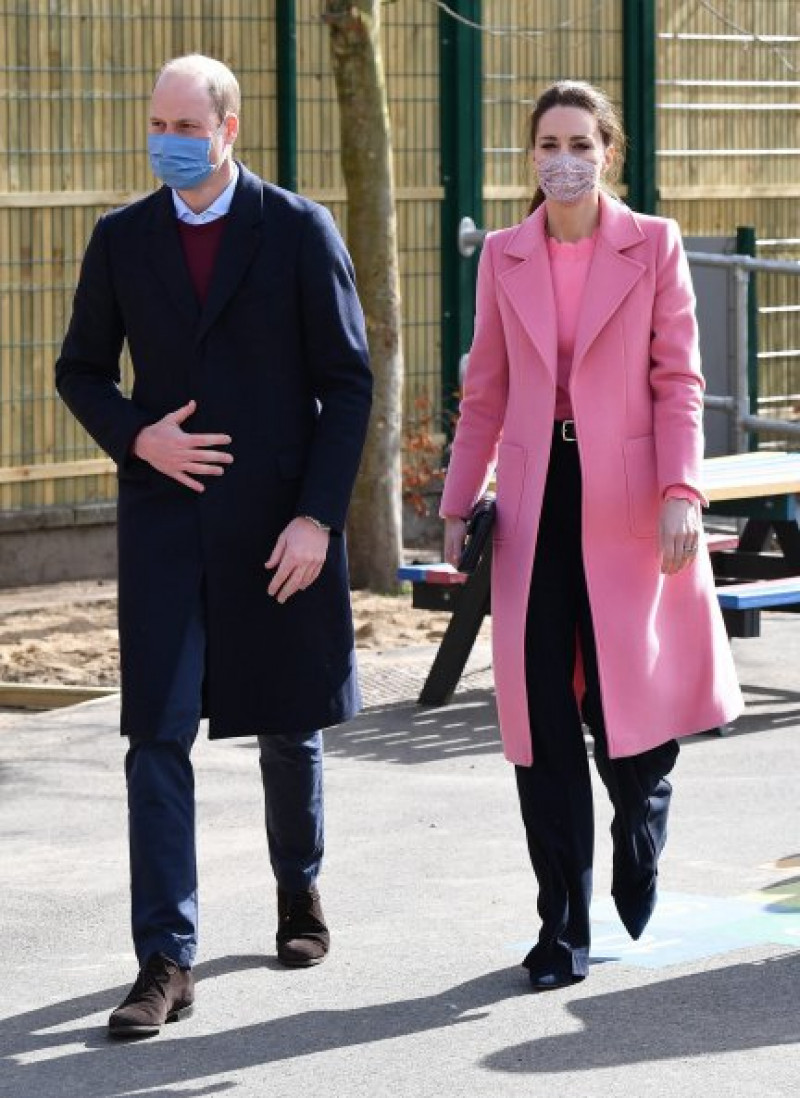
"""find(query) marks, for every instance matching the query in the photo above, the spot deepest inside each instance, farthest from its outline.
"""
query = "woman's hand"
(455, 531)
(679, 534)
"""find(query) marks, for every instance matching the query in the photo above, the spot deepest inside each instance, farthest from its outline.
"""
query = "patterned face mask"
(567, 178)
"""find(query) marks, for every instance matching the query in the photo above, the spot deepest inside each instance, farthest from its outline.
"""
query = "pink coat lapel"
(530, 288)
(612, 276)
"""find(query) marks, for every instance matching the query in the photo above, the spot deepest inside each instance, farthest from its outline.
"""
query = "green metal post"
(746, 245)
(286, 80)
(461, 143)
(639, 102)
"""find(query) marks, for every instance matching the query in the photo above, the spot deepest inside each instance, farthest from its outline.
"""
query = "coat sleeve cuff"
(685, 491)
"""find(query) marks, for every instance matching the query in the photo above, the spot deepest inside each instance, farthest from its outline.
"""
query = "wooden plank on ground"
(25, 695)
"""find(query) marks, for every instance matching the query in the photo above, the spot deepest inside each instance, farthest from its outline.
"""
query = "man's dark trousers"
(161, 815)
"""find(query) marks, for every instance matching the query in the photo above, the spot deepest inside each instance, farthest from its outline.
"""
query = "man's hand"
(180, 455)
(455, 532)
(298, 556)
(679, 532)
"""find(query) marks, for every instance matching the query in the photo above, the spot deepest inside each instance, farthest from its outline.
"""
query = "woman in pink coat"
(584, 389)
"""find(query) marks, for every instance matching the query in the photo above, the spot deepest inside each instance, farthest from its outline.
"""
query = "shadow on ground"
(81, 1061)
(408, 733)
(768, 707)
(411, 733)
(743, 1006)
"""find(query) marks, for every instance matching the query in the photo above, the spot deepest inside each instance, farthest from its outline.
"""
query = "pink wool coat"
(664, 658)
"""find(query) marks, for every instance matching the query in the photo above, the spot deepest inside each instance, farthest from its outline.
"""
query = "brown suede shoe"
(163, 992)
(302, 939)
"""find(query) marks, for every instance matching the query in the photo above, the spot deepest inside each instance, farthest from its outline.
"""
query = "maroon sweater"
(200, 247)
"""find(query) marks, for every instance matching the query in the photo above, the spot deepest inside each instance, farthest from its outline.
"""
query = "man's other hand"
(298, 557)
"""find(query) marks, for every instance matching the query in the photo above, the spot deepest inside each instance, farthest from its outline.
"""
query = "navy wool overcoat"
(276, 358)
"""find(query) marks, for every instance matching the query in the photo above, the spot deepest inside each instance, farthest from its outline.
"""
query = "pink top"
(569, 268)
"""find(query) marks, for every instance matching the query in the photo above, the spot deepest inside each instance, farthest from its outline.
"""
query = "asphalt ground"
(431, 904)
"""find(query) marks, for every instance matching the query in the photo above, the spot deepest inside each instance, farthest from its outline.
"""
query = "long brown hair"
(577, 93)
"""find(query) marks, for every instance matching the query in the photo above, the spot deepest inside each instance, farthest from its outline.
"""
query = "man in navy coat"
(236, 451)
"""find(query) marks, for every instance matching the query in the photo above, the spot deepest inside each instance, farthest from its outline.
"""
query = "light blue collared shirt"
(218, 208)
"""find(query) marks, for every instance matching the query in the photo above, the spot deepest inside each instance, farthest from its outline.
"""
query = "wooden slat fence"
(75, 79)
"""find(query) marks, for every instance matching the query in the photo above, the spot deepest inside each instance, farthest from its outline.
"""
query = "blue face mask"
(180, 162)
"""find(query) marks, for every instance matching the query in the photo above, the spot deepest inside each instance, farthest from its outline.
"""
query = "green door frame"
(639, 102)
(461, 144)
(286, 92)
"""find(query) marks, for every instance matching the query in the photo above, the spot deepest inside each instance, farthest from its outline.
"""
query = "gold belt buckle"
(568, 430)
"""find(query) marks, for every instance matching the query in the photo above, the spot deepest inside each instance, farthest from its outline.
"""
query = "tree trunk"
(375, 522)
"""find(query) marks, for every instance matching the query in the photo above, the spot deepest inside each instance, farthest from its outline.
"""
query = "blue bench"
(760, 595)
(742, 603)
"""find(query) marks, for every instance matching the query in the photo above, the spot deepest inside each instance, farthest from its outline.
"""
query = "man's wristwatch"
(319, 525)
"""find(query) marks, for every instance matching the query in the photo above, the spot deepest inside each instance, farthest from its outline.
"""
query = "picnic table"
(763, 487)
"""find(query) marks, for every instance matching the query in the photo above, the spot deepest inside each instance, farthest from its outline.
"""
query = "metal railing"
(737, 404)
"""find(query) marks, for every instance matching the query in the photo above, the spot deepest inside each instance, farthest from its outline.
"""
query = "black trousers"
(555, 792)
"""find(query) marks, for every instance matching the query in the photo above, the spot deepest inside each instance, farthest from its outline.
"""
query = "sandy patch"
(67, 633)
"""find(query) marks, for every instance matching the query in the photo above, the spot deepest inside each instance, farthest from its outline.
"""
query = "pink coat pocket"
(511, 461)
(644, 499)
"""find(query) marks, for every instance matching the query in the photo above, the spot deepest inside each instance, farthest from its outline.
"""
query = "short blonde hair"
(222, 85)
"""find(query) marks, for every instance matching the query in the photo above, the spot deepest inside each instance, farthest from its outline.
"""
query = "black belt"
(564, 429)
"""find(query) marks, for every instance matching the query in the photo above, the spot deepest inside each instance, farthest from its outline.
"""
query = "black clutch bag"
(479, 530)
